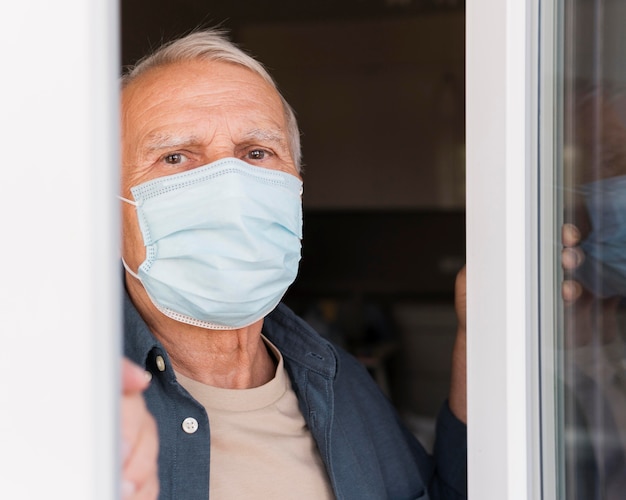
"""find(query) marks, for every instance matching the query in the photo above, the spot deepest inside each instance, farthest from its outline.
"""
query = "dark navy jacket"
(368, 452)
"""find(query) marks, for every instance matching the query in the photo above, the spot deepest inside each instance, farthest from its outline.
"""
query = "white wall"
(58, 304)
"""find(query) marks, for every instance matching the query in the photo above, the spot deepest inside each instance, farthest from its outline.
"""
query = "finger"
(140, 472)
(571, 258)
(148, 491)
(134, 378)
(571, 291)
(570, 235)
(128, 489)
(133, 413)
(460, 297)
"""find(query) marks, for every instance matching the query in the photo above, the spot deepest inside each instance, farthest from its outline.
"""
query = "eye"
(257, 154)
(175, 158)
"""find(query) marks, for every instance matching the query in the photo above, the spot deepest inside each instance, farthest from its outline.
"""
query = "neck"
(230, 359)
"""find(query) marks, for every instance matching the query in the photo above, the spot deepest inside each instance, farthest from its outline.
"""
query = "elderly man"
(249, 401)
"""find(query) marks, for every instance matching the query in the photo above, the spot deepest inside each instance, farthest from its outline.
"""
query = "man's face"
(189, 114)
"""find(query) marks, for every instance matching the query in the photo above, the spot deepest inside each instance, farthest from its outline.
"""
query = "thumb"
(134, 378)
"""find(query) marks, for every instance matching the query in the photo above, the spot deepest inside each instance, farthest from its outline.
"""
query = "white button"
(190, 425)
(160, 362)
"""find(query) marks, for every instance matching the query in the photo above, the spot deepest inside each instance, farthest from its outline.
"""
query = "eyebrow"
(266, 135)
(159, 141)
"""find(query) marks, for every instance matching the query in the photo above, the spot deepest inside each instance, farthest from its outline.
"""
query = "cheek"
(133, 249)
(129, 177)
(126, 181)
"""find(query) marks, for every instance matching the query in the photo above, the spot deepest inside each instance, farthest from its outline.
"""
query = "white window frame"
(502, 75)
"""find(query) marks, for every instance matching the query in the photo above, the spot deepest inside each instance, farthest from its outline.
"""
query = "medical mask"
(603, 271)
(222, 242)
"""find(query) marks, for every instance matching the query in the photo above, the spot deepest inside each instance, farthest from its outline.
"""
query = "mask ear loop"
(126, 200)
(130, 271)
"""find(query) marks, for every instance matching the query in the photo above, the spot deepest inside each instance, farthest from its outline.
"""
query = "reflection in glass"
(593, 193)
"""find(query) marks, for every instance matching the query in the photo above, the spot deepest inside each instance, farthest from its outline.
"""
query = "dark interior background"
(378, 88)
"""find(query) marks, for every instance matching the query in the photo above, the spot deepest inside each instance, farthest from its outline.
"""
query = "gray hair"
(214, 45)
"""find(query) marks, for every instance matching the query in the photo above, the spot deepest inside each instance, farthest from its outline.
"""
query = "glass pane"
(592, 198)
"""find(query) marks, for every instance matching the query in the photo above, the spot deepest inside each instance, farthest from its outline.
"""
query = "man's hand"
(571, 257)
(139, 438)
(587, 317)
(458, 386)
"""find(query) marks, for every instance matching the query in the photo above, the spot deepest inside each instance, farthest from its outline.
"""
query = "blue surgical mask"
(222, 242)
(604, 270)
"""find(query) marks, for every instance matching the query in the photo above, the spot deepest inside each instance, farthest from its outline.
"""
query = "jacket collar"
(138, 339)
(298, 342)
(294, 338)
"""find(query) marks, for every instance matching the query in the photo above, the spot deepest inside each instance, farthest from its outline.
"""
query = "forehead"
(177, 92)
